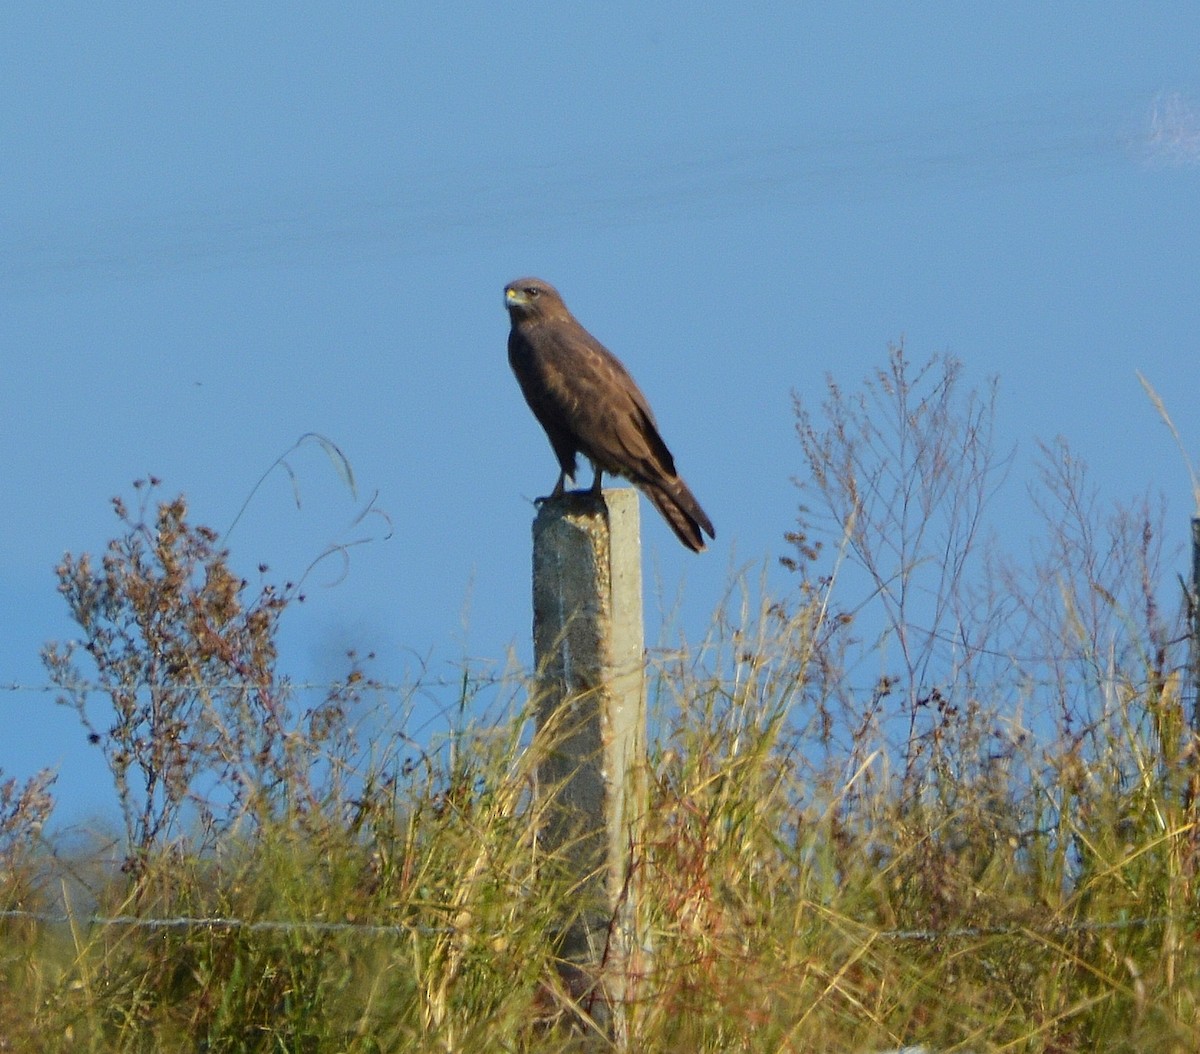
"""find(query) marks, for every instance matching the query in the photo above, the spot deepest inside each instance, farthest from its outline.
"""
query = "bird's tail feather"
(681, 510)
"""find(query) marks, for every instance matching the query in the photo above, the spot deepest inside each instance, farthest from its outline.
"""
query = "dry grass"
(930, 795)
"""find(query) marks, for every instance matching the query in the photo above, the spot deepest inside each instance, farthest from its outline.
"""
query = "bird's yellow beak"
(513, 296)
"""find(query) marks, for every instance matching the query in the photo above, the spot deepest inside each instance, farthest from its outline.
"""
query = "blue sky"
(230, 225)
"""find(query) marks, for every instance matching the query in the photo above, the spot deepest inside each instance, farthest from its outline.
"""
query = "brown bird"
(589, 404)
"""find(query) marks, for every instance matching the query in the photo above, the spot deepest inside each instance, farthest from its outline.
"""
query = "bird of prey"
(589, 404)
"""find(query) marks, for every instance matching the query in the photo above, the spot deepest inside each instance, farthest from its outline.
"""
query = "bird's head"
(531, 298)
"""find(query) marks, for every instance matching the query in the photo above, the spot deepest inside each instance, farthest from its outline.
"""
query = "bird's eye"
(533, 291)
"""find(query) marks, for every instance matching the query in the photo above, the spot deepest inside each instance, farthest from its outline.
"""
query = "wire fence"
(223, 922)
(516, 677)
(220, 922)
(92, 687)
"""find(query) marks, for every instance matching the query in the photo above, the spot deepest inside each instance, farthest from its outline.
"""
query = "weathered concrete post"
(1194, 605)
(588, 645)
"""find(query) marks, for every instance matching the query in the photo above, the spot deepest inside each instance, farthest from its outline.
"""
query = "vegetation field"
(928, 790)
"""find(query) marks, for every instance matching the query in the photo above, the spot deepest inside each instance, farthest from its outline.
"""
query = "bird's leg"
(597, 485)
(557, 492)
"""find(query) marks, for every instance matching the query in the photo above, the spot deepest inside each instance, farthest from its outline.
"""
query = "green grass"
(794, 900)
(931, 795)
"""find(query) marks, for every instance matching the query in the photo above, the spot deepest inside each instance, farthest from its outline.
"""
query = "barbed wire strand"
(404, 929)
(91, 687)
(222, 922)
(406, 687)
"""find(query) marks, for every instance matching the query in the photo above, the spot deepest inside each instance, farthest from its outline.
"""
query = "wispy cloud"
(1172, 137)
(431, 206)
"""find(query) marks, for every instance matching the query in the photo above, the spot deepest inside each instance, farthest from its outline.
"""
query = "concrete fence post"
(1194, 626)
(588, 647)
